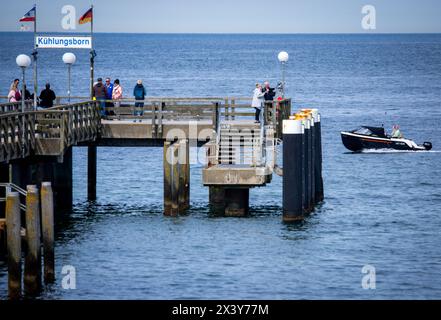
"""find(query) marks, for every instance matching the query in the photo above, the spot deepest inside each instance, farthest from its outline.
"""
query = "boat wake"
(382, 151)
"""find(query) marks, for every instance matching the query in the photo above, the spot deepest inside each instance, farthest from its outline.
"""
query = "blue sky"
(233, 16)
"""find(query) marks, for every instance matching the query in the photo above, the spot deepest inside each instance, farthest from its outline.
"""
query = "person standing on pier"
(99, 93)
(139, 93)
(257, 103)
(109, 91)
(47, 97)
(117, 93)
(14, 93)
(269, 92)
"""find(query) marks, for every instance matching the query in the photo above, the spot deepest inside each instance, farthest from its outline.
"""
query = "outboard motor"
(427, 145)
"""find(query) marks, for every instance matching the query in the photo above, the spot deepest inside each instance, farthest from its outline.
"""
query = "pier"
(36, 146)
(241, 154)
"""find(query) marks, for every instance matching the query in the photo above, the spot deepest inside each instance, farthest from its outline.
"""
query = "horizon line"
(231, 33)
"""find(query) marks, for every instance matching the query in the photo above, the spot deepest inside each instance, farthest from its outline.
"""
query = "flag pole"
(92, 56)
(34, 55)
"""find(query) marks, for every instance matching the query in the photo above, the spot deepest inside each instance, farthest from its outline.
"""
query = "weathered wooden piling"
(13, 226)
(175, 179)
(176, 167)
(167, 179)
(47, 214)
(293, 131)
(32, 271)
(184, 175)
(91, 172)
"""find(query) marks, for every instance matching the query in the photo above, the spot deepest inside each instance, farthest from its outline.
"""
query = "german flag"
(87, 17)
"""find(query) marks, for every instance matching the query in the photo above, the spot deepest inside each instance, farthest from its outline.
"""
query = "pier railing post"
(47, 214)
(292, 170)
(13, 226)
(215, 116)
(32, 272)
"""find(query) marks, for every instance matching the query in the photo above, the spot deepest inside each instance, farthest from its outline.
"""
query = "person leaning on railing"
(14, 93)
(99, 93)
(139, 93)
(117, 93)
(47, 97)
(257, 102)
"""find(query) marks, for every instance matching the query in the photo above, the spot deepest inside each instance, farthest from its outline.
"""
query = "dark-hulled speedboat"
(375, 138)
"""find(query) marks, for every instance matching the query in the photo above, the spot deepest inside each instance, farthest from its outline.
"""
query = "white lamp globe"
(283, 56)
(69, 58)
(23, 61)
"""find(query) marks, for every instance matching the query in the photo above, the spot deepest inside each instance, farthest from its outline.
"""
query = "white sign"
(63, 42)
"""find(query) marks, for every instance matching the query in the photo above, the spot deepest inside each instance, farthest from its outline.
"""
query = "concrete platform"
(236, 175)
(167, 129)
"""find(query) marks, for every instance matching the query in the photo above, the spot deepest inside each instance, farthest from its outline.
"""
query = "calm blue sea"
(381, 209)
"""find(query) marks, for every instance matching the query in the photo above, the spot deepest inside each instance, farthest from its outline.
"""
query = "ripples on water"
(380, 209)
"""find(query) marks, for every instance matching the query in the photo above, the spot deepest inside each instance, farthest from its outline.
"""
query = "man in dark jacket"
(139, 93)
(109, 90)
(99, 93)
(269, 92)
(47, 97)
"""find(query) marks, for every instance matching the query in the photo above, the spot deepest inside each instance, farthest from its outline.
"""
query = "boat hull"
(357, 143)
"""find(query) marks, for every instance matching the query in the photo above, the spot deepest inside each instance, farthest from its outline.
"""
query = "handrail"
(13, 187)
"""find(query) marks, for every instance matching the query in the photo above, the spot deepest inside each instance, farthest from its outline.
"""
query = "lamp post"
(69, 59)
(23, 61)
(283, 59)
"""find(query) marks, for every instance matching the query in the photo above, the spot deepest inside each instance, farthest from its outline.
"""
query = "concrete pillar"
(21, 173)
(293, 131)
(62, 183)
(217, 200)
(91, 172)
(237, 202)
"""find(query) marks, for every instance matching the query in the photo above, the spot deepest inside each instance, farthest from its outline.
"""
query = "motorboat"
(367, 137)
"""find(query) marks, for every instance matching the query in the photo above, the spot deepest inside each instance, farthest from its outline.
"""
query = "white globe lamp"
(69, 59)
(283, 57)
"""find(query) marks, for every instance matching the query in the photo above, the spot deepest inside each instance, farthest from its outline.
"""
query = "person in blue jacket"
(139, 93)
(109, 89)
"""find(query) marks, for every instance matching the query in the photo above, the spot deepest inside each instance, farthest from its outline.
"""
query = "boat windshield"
(363, 131)
(370, 131)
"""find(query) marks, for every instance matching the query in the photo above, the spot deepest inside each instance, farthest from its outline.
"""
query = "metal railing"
(10, 187)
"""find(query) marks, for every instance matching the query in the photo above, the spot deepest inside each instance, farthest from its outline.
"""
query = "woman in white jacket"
(257, 103)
